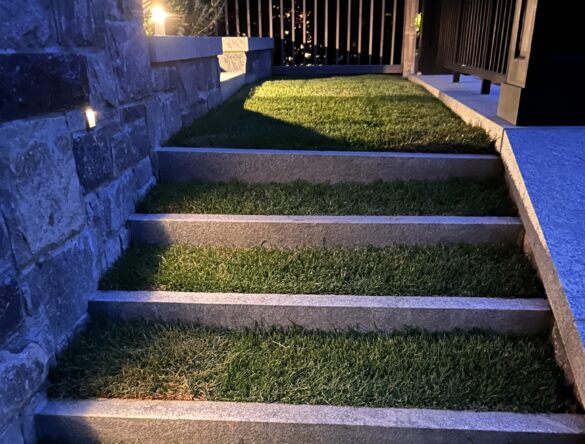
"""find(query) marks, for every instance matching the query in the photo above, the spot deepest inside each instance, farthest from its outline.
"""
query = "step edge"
(325, 219)
(241, 412)
(332, 153)
(444, 303)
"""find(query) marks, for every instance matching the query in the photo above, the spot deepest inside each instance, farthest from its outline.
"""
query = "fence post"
(409, 38)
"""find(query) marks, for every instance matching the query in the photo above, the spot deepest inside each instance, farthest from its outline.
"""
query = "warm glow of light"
(90, 116)
(159, 14)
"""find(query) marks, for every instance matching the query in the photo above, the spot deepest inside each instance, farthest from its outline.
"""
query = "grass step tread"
(473, 371)
(461, 197)
(365, 113)
(460, 270)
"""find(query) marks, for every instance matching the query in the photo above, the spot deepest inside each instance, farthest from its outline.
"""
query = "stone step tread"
(328, 312)
(221, 422)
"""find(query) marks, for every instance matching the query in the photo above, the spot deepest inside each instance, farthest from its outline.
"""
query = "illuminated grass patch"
(467, 270)
(365, 113)
(462, 197)
(470, 371)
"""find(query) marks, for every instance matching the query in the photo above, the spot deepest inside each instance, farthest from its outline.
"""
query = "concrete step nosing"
(318, 231)
(325, 300)
(178, 164)
(299, 219)
(149, 421)
(325, 153)
(238, 311)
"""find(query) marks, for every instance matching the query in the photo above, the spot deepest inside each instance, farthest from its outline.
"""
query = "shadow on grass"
(412, 123)
(460, 270)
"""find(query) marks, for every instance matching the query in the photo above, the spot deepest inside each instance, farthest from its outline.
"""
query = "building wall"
(66, 191)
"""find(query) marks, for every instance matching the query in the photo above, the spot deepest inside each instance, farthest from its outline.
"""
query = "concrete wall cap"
(173, 48)
(246, 44)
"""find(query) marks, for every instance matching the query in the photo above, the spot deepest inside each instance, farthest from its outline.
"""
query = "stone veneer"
(66, 191)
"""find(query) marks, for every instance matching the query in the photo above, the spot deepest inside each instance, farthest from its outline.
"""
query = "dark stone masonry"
(41, 83)
(66, 191)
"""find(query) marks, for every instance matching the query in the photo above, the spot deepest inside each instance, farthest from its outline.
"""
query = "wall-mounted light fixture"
(90, 117)
(159, 16)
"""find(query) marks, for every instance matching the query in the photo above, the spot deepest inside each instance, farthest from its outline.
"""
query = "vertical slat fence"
(475, 37)
(366, 32)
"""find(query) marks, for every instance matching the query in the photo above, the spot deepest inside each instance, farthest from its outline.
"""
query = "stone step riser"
(227, 422)
(327, 312)
(319, 231)
(250, 165)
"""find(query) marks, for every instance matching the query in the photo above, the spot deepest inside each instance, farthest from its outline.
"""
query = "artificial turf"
(366, 113)
(463, 197)
(486, 270)
(472, 371)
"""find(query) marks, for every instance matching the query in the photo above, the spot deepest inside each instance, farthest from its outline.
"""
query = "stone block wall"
(66, 191)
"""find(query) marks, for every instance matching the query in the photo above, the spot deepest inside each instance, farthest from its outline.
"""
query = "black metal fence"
(321, 32)
(474, 37)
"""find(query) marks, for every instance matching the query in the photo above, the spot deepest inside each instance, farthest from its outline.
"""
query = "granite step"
(315, 231)
(238, 311)
(115, 420)
(178, 164)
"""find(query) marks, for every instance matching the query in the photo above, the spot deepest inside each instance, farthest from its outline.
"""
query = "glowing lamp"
(159, 16)
(90, 116)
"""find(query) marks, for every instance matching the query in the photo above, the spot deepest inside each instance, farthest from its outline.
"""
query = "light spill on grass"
(447, 371)
(370, 113)
(488, 270)
(463, 197)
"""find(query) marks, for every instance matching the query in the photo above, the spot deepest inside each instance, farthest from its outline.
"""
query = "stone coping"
(108, 420)
(246, 44)
(544, 166)
(174, 48)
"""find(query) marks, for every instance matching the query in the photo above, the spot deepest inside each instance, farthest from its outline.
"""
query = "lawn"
(462, 197)
(471, 371)
(365, 113)
(487, 270)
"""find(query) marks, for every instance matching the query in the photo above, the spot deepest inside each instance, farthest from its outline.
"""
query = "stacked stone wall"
(66, 191)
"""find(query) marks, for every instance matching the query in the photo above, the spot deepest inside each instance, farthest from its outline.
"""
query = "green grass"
(462, 197)
(490, 270)
(446, 371)
(368, 113)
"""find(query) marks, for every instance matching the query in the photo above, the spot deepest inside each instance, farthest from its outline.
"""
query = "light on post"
(159, 16)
